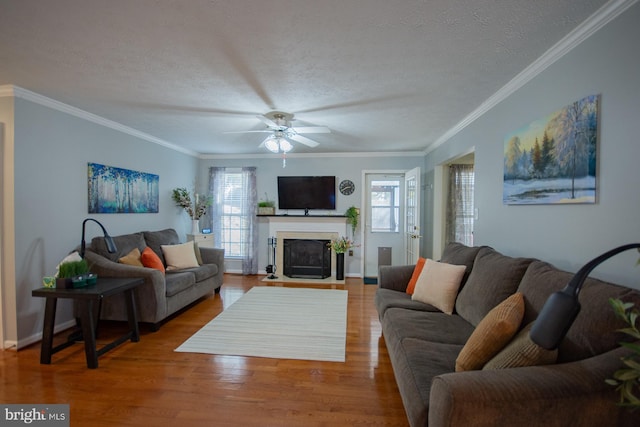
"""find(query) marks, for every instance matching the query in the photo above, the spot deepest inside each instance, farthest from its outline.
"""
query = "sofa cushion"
(590, 334)
(399, 323)
(150, 260)
(494, 277)
(411, 286)
(438, 285)
(178, 281)
(180, 256)
(388, 298)
(522, 351)
(459, 254)
(395, 277)
(415, 365)
(203, 271)
(155, 239)
(132, 258)
(124, 244)
(492, 334)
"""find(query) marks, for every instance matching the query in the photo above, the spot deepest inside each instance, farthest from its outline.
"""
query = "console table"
(85, 298)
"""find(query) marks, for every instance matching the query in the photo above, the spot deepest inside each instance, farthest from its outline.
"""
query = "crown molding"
(311, 155)
(18, 92)
(591, 25)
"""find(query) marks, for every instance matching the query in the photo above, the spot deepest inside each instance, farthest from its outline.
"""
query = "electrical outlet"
(350, 252)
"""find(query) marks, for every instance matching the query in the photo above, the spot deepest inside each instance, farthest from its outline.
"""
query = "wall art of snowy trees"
(553, 160)
(117, 190)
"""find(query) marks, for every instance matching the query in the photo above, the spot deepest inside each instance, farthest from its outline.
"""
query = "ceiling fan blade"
(267, 121)
(312, 129)
(304, 140)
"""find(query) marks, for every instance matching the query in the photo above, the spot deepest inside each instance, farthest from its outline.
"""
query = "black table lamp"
(111, 246)
(562, 307)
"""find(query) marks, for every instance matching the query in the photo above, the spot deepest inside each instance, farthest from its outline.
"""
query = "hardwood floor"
(147, 383)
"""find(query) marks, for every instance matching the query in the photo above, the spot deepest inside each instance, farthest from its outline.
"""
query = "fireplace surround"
(306, 258)
(305, 227)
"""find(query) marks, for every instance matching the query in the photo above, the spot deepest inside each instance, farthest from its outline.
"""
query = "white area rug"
(277, 322)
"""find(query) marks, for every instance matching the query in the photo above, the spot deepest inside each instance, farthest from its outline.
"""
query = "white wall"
(568, 236)
(345, 166)
(52, 149)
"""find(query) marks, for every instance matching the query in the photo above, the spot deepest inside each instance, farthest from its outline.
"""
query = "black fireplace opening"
(306, 258)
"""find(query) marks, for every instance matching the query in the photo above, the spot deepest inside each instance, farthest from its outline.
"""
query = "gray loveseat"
(424, 343)
(162, 294)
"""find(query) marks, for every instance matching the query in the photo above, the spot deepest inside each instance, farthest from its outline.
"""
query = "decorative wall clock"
(347, 187)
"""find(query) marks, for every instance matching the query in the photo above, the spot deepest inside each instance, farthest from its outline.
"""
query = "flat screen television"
(307, 192)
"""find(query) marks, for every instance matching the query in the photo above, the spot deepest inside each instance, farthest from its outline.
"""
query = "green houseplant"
(196, 209)
(73, 274)
(352, 215)
(266, 206)
(627, 379)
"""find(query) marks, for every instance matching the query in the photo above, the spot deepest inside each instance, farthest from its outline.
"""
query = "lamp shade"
(562, 307)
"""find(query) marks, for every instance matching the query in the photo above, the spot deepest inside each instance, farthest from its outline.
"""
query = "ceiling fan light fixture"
(285, 146)
(272, 144)
(277, 144)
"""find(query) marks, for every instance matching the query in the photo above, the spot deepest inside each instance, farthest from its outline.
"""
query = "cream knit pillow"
(180, 256)
(438, 285)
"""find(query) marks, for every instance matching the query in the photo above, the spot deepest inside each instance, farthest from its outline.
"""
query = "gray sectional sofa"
(162, 294)
(424, 343)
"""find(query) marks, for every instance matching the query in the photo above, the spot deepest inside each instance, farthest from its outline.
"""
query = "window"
(460, 205)
(385, 206)
(233, 222)
(233, 214)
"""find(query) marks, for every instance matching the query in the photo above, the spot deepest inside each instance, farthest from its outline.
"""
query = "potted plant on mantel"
(195, 209)
(266, 206)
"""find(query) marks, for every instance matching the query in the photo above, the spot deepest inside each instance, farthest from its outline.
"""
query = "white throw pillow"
(438, 285)
(180, 256)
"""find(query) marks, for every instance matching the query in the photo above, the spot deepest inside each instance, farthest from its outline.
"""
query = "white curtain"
(460, 205)
(235, 195)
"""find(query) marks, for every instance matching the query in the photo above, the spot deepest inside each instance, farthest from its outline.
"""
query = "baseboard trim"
(38, 337)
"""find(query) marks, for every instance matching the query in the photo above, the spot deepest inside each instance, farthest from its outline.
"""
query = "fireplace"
(306, 258)
(309, 228)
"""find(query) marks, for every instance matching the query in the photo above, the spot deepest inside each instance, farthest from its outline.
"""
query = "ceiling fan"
(282, 133)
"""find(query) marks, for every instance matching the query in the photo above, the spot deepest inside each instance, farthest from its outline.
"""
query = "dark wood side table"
(86, 297)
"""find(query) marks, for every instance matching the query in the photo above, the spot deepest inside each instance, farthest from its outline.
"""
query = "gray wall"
(568, 236)
(342, 167)
(52, 149)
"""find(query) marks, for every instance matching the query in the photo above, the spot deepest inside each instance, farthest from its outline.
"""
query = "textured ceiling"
(382, 75)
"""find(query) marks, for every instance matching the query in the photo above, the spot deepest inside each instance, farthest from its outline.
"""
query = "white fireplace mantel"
(333, 224)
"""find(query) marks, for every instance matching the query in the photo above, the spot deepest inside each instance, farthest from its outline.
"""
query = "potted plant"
(340, 246)
(627, 379)
(195, 209)
(266, 206)
(352, 215)
(73, 274)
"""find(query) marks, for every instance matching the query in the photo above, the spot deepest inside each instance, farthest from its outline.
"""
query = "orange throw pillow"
(151, 260)
(414, 277)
